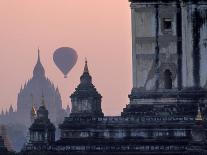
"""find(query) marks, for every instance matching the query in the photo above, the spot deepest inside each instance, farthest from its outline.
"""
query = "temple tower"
(86, 101)
(35, 86)
(169, 43)
(42, 131)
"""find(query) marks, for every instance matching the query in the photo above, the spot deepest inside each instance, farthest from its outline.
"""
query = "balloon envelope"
(65, 58)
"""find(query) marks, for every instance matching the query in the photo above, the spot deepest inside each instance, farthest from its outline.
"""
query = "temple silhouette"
(28, 101)
(167, 109)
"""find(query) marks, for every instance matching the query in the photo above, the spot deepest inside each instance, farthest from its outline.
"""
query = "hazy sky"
(97, 29)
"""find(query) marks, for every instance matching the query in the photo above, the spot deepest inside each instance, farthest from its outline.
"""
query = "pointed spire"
(38, 59)
(86, 70)
(11, 110)
(86, 77)
(38, 69)
(199, 115)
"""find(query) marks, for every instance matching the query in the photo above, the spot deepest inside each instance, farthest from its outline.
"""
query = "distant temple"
(29, 100)
(167, 111)
(30, 95)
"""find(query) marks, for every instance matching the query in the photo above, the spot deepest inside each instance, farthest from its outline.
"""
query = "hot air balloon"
(65, 58)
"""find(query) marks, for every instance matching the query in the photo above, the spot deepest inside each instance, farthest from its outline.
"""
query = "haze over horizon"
(98, 30)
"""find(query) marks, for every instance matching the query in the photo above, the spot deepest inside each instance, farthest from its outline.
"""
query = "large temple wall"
(143, 48)
(144, 43)
(194, 44)
(187, 47)
(203, 47)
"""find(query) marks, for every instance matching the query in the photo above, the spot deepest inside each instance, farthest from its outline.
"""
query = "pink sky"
(97, 29)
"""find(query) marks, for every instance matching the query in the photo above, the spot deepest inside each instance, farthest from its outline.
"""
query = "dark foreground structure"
(168, 103)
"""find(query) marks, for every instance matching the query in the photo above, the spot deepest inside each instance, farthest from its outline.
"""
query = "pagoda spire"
(39, 70)
(38, 59)
(86, 70)
(87, 93)
(86, 78)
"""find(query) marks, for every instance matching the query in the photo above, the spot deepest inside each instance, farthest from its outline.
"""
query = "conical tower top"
(86, 78)
(39, 70)
(86, 91)
(86, 70)
(38, 59)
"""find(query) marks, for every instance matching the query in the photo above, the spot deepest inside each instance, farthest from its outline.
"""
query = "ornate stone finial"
(86, 66)
(199, 115)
